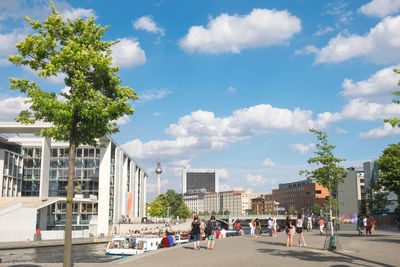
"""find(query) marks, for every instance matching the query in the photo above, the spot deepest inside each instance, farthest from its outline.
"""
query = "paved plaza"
(381, 249)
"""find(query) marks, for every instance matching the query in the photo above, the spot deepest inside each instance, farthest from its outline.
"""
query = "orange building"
(302, 195)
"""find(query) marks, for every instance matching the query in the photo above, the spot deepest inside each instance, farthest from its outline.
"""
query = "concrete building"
(263, 204)
(33, 176)
(349, 195)
(247, 201)
(302, 195)
(194, 199)
(196, 179)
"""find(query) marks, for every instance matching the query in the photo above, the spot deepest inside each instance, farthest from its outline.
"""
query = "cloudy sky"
(235, 85)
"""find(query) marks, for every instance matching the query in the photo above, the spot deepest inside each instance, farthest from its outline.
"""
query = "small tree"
(95, 98)
(329, 174)
(316, 209)
(220, 212)
(226, 212)
(292, 210)
(183, 211)
(206, 213)
(389, 170)
(156, 208)
(213, 213)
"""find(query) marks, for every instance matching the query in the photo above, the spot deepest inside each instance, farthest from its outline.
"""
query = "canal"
(92, 253)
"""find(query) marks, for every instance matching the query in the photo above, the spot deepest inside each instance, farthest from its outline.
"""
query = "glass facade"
(112, 183)
(32, 166)
(12, 174)
(86, 171)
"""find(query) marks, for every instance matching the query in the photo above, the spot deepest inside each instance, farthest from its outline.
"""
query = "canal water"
(94, 253)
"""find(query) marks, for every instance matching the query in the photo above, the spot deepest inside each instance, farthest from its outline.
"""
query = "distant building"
(194, 200)
(33, 179)
(302, 195)
(196, 179)
(349, 196)
(263, 204)
(247, 200)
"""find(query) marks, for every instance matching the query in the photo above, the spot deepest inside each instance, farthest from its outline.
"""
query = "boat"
(132, 245)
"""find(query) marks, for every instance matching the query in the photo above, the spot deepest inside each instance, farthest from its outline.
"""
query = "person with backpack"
(210, 232)
(196, 227)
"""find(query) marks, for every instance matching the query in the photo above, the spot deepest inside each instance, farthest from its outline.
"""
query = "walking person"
(299, 230)
(360, 225)
(196, 226)
(270, 226)
(210, 232)
(289, 231)
(274, 225)
(365, 225)
(369, 226)
(258, 227)
(309, 223)
(252, 225)
(373, 225)
(321, 226)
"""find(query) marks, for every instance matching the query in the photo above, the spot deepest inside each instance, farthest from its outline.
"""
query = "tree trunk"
(68, 216)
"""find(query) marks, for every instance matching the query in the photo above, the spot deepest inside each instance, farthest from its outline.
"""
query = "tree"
(95, 98)
(213, 213)
(292, 210)
(156, 208)
(329, 174)
(330, 203)
(220, 212)
(316, 209)
(175, 201)
(183, 211)
(206, 213)
(226, 212)
(389, 169)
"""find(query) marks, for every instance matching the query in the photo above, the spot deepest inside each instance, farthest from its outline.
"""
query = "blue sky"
(235, 85)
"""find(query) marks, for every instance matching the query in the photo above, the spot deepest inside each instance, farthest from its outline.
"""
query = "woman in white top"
(252, 227)
(274, 225)
(299, 230)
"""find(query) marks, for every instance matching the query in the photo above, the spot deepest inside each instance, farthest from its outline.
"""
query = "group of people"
(294, 225)
(255, 227)
(365, 225)
(210, 231)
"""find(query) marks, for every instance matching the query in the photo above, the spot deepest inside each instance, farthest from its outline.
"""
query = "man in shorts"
(321, 226)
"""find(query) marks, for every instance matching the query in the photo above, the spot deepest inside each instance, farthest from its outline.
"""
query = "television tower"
(158, 170)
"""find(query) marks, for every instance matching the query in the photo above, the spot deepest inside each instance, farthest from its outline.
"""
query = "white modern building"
(33, 179)
(198, 179)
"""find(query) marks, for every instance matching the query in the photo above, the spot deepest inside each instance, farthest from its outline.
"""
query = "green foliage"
(183, 211)
(333, 203)
(75, 49)
(376, 200)
(156, 208)
(329, 174)
(252, 212)
(292, 210)
(316, 209)
(226, 212)
(389, 169)
(206, 213)
(213, 213)
(220, 212)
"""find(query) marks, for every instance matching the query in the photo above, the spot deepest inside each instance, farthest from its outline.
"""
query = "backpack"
(208, 229)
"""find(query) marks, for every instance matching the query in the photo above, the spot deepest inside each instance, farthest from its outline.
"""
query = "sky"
(236, 85)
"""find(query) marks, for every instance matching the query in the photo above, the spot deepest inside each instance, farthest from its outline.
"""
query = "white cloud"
(127, 53)
(149, 95)
(11, 107)
(301, 147)
(380, 8)
(381, 83)
(323, 30)
(381, 44)
(7, 45)
(255, 180)
(341, 131)
(74, 13)
(225, 33)
(123, 120)
(231, 89)
(309, 49)
(147, 23)
(222, 173)
(268, 163)
(361, 109)
(385, 131)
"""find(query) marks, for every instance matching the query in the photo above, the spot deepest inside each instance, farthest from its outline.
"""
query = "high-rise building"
(109, 185)
(197, 179)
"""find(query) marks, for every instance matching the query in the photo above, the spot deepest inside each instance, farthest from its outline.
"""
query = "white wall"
(59, 234)
(45, 167)
(22, 227)
(104, 189)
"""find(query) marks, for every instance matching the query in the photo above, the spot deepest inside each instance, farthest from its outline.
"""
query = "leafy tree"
(226, 212)
(206, 213)
(200, 213)
(95, 98)
(220, 212)
(292, 210)
(213, 213)
(330, 203)
(389, 169)
(183, 211)
(316, 209)
(156, 208)
(252, 212)
(363, 207)
(329, 174)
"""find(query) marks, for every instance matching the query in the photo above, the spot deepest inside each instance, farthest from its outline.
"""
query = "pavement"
(381, 249)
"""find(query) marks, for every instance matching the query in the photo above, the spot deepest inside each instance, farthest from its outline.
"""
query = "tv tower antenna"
(158, 170)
